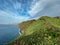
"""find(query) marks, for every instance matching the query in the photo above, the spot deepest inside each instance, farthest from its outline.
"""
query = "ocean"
(8, 33)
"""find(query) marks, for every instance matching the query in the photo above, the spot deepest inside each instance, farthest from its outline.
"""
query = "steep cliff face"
(25, 25)
(44, 31)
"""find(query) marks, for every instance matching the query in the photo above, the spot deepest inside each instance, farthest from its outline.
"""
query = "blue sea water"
(8, 33)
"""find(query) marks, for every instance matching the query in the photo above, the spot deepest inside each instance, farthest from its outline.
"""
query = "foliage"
(44, 31)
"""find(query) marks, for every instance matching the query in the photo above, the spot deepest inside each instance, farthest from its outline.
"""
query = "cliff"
(43, 31)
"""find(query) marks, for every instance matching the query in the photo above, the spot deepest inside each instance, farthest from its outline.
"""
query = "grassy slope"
(44, 31)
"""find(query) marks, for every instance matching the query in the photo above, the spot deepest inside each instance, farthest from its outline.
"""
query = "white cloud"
(39, 6)
(9, 12)
(45, 7)
(8, 17)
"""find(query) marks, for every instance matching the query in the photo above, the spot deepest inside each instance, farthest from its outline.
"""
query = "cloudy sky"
(15, 11)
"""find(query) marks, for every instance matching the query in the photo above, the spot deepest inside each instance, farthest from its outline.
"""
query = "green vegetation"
(44, 31)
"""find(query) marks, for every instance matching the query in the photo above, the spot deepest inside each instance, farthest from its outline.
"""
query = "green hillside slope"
(44, 31)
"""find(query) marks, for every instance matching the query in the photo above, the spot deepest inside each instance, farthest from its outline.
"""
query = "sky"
(16, 11)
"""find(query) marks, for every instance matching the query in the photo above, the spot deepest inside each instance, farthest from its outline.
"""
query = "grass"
(44, 31)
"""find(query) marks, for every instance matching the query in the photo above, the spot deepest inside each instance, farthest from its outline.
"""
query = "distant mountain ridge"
(43, 31)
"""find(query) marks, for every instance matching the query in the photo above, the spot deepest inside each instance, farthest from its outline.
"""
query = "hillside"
(44, 31)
